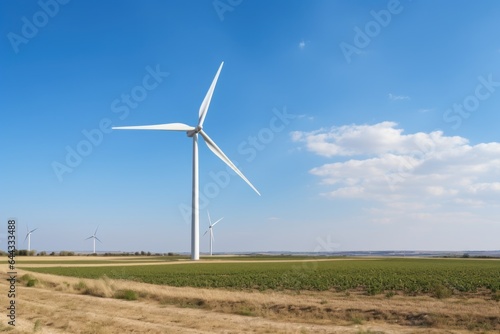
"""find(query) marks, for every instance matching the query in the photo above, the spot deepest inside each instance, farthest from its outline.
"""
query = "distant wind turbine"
(193, 132)
(94, 236)
(211, 229)
(28, 236)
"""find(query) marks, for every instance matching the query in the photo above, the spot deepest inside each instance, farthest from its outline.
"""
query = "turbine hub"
(191, 133)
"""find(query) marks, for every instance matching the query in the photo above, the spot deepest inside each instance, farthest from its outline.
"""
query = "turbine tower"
(211, 229)
(193, 133)
(28, 236)
(94, 236)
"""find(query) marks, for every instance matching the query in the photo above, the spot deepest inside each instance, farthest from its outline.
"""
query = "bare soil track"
(61, 263)
(71, 305)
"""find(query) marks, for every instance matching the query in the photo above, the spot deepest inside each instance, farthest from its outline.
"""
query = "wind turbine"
(28, 236)
(193, 133)
(210, 228)
(94, 236)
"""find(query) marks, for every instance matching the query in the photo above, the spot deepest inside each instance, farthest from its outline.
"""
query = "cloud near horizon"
(417, 175)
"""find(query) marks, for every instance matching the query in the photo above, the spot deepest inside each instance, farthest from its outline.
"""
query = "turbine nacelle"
(196, 130)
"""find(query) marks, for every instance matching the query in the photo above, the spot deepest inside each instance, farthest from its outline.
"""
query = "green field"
(410, 276)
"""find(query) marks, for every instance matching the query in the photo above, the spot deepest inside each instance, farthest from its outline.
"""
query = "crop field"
(437, 277)
(258, 294)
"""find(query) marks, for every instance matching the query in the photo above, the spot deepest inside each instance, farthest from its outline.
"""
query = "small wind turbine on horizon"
(211, 229)
(193, 133)
(28, 236)
(94, 236)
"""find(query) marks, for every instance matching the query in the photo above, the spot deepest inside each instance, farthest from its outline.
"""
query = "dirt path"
(57, 312)
(62, 313)
(155, 263)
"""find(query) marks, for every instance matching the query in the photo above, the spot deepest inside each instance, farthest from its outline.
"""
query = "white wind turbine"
(211, 229)
(94, 236)
(193, 133)
(28, 236)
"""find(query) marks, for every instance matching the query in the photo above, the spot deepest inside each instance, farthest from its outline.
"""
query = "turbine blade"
(98, 239)
(206, 101)
(33, 230)
(218, 152)
(26, 236)
(209, 220)
(168, 127)
(205, 233)
(96, 230)
(212, 235)
(89, 237)
(217, 221)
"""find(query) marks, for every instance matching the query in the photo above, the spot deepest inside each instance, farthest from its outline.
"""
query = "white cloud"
(381, 138)
(380, 163)
(302, 45)
(393, 97)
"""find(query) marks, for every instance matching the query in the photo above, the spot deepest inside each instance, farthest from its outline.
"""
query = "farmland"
(261, 294)
(373, 276)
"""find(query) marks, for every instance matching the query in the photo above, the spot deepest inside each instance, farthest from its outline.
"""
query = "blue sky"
(365, 125)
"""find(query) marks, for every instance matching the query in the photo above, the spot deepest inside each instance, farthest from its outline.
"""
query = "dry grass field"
(49, 303)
